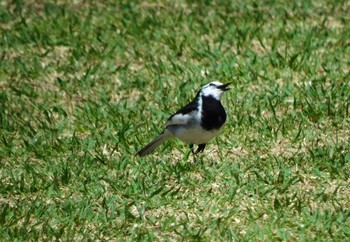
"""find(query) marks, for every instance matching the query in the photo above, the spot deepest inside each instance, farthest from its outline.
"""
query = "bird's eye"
(211, 84)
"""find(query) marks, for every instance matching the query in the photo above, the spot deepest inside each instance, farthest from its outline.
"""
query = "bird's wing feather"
(182, 116)
(179, 119)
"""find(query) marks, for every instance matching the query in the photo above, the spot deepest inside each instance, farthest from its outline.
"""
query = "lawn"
(85, 84)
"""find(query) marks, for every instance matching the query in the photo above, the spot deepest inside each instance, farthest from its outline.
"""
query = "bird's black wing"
(182, 116)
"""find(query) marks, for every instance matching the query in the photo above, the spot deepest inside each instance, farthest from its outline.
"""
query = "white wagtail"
(197, 122)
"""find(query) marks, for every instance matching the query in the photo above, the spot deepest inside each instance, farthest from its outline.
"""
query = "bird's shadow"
(188, 163)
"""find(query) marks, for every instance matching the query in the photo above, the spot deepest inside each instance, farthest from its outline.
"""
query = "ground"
(85, 85)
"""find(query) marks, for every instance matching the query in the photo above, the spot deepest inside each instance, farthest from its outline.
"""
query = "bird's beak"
(224, 87)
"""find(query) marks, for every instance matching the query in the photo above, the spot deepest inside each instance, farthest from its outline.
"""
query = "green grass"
(84, 85)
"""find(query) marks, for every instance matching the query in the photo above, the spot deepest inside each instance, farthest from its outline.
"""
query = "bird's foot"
(201, 148)
(191, 147)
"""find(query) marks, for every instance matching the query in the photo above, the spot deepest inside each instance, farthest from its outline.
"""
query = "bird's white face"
(214, 89)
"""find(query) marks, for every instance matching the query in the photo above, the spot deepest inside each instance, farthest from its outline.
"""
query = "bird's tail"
(155, 143)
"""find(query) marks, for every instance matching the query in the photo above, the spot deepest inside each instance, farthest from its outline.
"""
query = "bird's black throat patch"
(213, 113)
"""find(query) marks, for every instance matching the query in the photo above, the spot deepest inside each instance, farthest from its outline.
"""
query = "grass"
(84, 85)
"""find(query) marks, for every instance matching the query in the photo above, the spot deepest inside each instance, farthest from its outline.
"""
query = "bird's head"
(214, 89)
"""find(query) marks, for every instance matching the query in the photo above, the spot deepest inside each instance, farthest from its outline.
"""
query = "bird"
(197, 122)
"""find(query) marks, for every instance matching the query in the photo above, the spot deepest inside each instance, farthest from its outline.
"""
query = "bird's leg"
(201, 148)
(191, 147)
